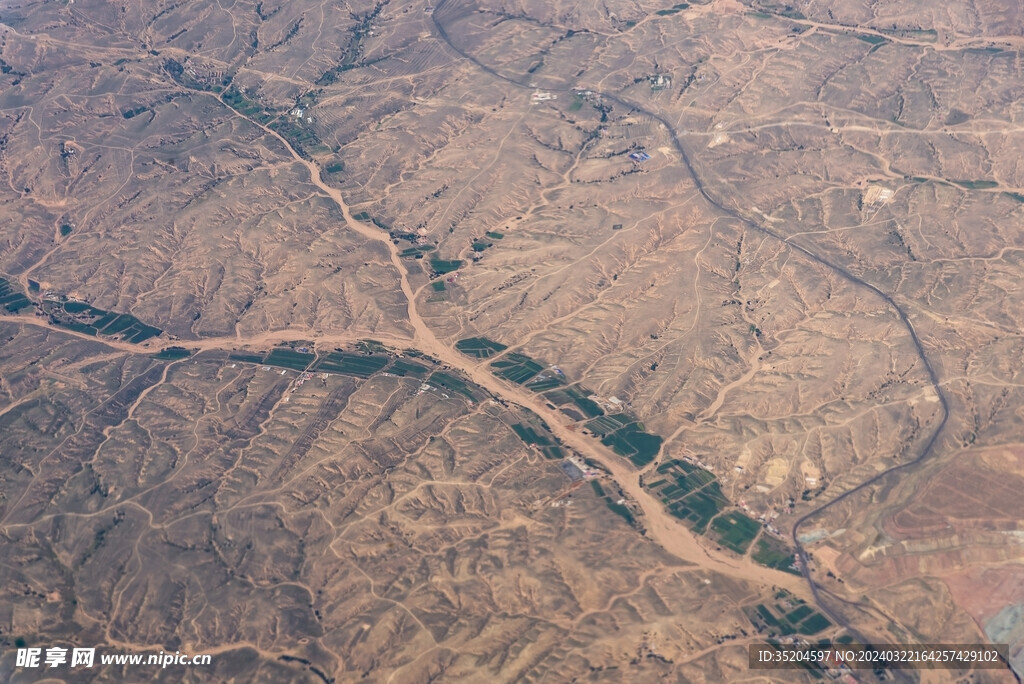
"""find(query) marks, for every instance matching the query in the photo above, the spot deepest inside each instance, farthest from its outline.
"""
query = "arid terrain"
(508, 340)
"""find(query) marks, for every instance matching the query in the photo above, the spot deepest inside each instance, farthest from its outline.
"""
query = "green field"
(764, 619)
(12, 299)
(774, 553)
(442, 266)
(287, 358)
(699, 508)
(81, 307)
(358, 365)
(871, 38)
(814, 624)
(415, 252)
(401, 367)
(553, 452)
(300, 136)
(799, 614)
(530, 435)
(558, 397)
(690, 493)
(116, 324)
(604, 425)
(245, 357)
(787, 615)
(240, 103)
(140, 333)
(632, 442)
(92, 321)
(976, 184)
(579, 395)
(735, 530)
(479, 347)
(107, 319)
(542, 383)
(516, 367)
(694, 476)
(172, 354)
(672, 10)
